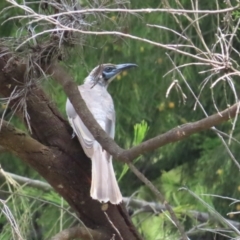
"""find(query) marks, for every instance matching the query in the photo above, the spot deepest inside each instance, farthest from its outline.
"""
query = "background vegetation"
(200, 163)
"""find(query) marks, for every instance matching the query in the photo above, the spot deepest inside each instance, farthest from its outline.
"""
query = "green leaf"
(140, 131)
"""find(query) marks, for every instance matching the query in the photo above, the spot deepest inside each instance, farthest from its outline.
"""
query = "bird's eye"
(108, 69)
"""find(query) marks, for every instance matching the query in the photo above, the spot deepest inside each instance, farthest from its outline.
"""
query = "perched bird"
(104, 185)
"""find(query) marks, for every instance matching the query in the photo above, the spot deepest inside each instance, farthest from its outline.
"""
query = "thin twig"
(109, 220)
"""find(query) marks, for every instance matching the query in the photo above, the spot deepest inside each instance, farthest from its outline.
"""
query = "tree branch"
(2, 149)
(26, 181)
(174, 135)
(19, 142)
(120, 10)
(183, 131)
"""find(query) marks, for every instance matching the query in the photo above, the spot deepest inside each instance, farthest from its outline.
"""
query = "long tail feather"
(104, 186)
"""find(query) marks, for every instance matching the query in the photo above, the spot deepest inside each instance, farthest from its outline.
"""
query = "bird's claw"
(73, 135)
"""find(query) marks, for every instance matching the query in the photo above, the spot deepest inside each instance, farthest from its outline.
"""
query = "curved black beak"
(121, 67)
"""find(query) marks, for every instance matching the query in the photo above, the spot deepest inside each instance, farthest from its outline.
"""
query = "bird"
(104, 186)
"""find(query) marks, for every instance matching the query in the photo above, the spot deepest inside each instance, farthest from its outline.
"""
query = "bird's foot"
(73, 135)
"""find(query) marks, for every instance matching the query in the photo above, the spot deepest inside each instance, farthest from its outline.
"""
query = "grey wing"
(85, 137)
(103, 112)
(110, 123)
(110, 127)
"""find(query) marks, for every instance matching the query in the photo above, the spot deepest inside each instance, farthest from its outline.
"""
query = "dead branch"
(125, 10)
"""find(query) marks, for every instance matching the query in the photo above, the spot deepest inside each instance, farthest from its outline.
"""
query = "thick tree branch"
(66, 175)
(20, 143)
(2, 150)
(174, 135)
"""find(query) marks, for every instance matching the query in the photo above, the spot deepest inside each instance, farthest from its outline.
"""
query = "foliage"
(31, 211)
(140, 130)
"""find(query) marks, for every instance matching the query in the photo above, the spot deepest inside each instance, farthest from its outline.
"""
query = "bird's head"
(105, 73)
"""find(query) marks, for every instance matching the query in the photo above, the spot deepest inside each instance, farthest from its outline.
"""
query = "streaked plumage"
(104, 185)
